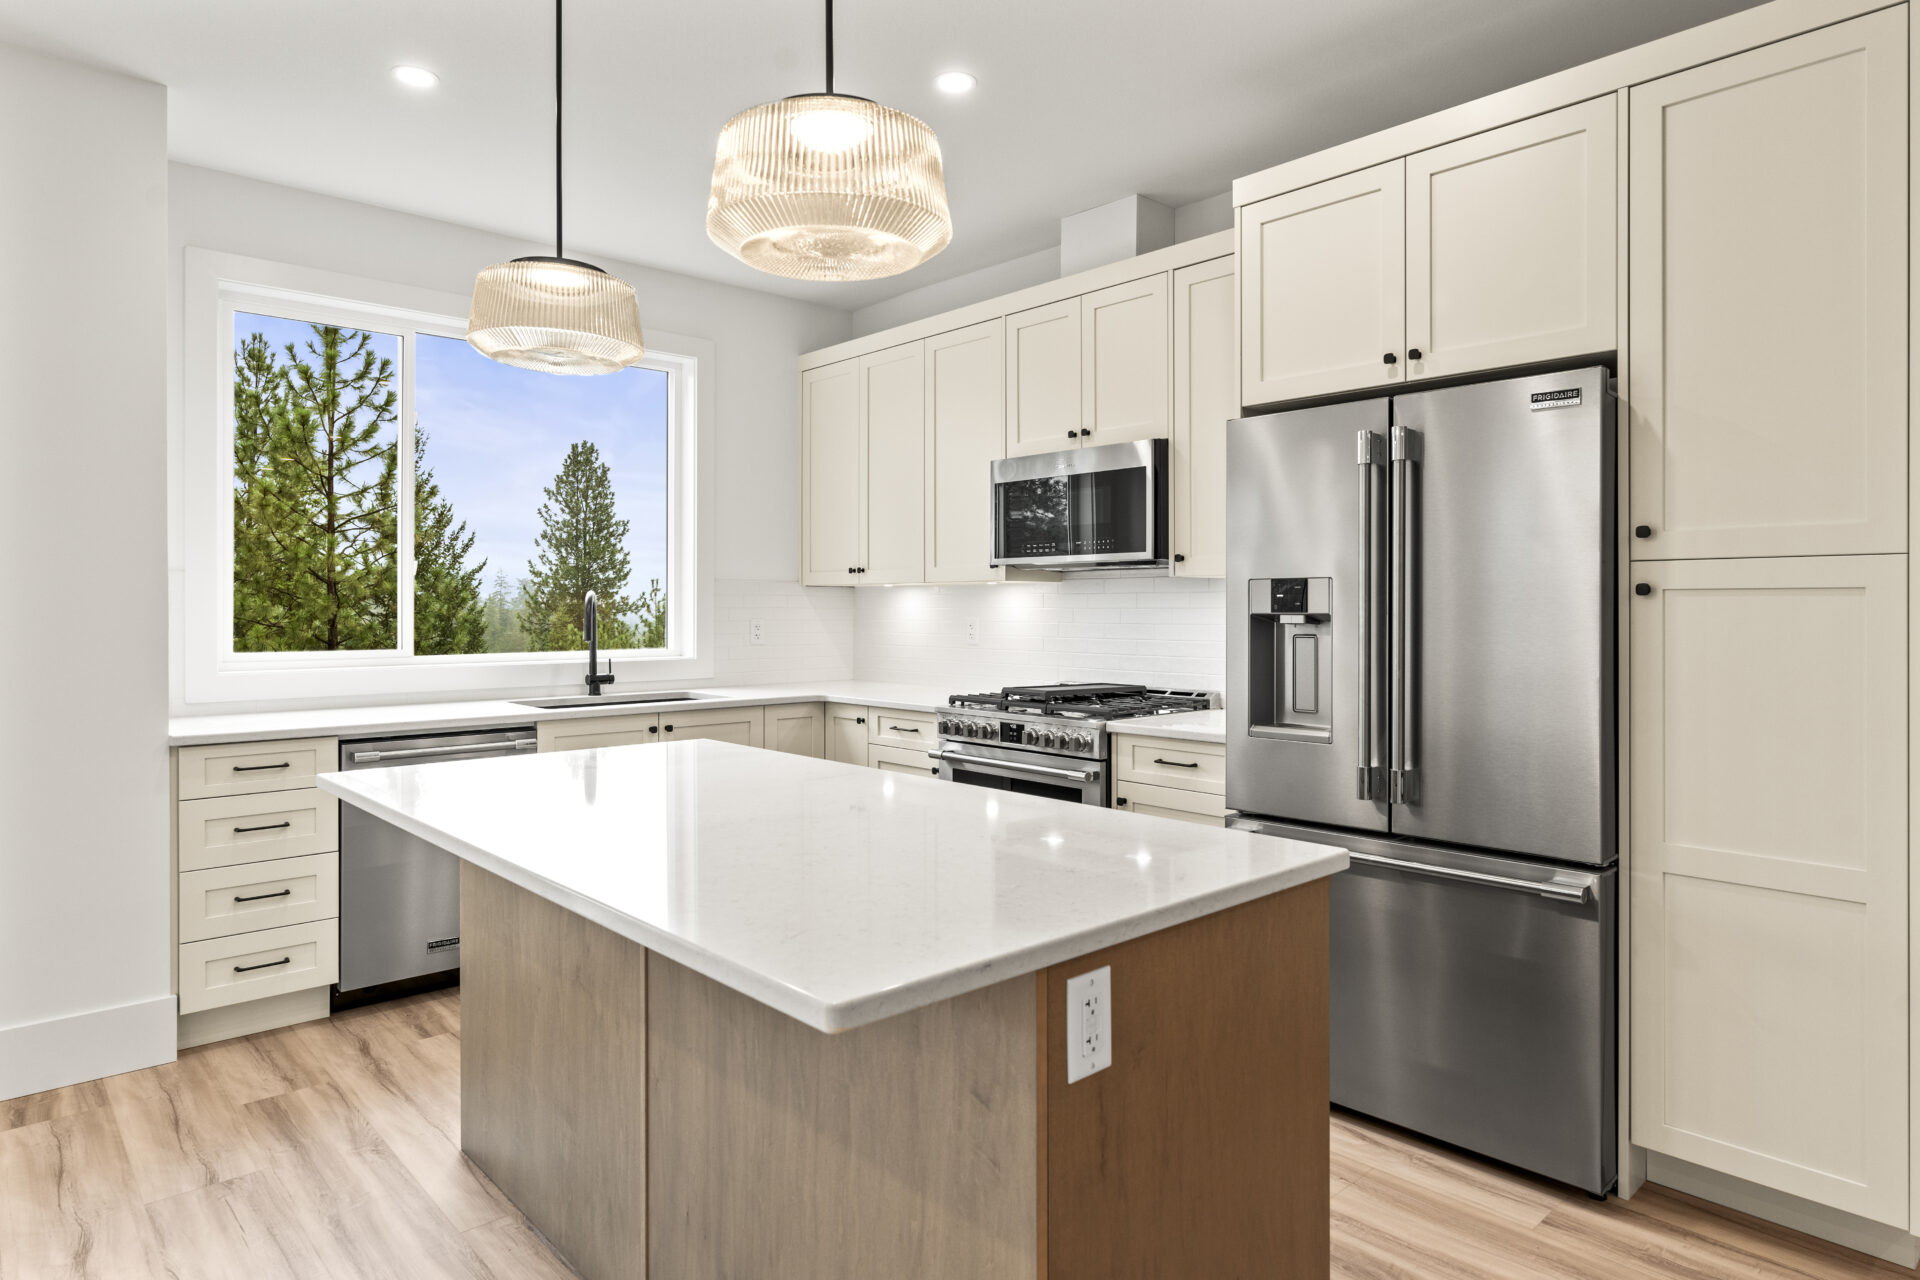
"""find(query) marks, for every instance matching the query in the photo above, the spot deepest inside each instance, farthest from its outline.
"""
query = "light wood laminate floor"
(331, 1150)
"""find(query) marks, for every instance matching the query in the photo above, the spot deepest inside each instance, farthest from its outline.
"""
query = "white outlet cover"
(973, 631)
(755, 634)
(1089, 1023)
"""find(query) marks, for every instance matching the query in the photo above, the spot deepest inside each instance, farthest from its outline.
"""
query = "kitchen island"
(734, 1013)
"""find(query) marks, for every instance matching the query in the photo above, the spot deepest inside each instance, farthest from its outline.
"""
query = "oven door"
(1102, 505)
(1032, 773)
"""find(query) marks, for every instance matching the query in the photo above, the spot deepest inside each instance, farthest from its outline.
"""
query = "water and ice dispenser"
(1290, 658)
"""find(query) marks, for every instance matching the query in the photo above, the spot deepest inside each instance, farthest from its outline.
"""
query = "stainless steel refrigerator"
(1421, 669)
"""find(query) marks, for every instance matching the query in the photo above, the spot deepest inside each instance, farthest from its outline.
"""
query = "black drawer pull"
(902, 728)
(271, 826)
(1178, 764)
(249, 968)
(255, 897)
(254, 768)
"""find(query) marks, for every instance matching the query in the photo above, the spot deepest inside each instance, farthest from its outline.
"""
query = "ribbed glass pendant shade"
(828, 187)
(556, 315)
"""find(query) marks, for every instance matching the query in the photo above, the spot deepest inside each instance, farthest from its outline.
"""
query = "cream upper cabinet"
(1204, 399)
(893, 431)
(1323, 287)
(744, 725)
(1768, 276)
(1769, 873)
(966, 433)
(1123, 362)
(1512, 244)
(846, 733)
(1044, 387)
(832, 463)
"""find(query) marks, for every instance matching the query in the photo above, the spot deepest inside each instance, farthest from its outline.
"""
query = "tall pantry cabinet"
(1768, 392)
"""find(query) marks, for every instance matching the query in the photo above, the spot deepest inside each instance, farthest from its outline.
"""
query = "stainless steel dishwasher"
(399, 895)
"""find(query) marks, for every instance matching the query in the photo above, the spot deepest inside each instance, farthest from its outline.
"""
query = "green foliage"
(314, 547)
(501, 611)
(582, 548)
(448, 615)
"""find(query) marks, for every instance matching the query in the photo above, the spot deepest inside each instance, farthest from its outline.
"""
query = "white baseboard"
(248, 1017)
(85, 1046)
(1863, 1234)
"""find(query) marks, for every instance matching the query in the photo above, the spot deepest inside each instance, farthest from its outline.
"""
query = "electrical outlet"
(1089, 1023)
(755, 635)
(973, 631)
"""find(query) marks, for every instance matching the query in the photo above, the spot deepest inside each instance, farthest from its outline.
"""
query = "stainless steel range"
(1046, 739)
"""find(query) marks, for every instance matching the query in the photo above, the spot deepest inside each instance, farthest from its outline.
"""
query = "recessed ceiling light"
(415, 77)
(953, 82)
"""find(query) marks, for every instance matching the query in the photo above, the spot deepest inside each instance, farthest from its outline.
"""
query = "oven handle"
(1016, 766)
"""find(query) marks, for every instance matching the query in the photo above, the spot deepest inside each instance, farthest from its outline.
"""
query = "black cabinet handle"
(1178, 559)
(249, 968)
(849, 568)
(1389, 358)
(669, 728)
(935, 770)
(1178, 764)
(1119, 800)
(861, 569)
(1643, 531)
(271, 826)
(1413, 353)
(255, 768)
(901, 728)
(653, 728)
(1073, 435)
(859, 719)
(256, 897)
(1642, 589)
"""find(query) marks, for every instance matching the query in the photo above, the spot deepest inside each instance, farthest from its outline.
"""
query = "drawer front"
(258, 895)
(252, 966)
(901, 729)
(233, 829)
(901, 760)
(1170, 802)
(597, 731)
(744, 725)
(1167, 762)
(244, 768)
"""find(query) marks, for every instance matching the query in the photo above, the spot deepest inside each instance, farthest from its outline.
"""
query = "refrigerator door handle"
(1403, 778)
(1567, 886)
(1371, 780)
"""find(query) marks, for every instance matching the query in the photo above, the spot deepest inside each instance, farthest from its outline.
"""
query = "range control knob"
(1030, 736)
(1050, 739)
(1084, 741)
(975, 729)
(945, 726)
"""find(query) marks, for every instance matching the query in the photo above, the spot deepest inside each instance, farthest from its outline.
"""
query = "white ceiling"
(1079, 101)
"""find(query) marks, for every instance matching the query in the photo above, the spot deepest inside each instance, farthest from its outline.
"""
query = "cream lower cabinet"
(797, 728)
(1170, 778)
(846, 733)
(1768, 372)
(1205, 399)
(746, 726)
(596, 731)
(1769, 1023)
(900, 760)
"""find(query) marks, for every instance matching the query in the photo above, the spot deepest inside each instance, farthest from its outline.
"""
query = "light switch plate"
(1089, 1023)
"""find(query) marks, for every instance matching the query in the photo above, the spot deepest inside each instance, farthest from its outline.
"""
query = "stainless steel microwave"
(1104, 506)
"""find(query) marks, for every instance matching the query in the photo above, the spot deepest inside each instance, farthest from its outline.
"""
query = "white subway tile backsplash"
(807, 633)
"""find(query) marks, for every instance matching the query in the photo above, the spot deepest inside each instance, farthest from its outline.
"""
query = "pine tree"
(653, 617)
(315, 552)
(448, 616)
(580, 548)
(501, 612)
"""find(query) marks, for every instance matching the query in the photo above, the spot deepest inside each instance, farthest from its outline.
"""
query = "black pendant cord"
(559, 186)
(829, 46)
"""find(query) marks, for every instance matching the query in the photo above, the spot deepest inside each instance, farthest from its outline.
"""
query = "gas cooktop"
(1084, 701)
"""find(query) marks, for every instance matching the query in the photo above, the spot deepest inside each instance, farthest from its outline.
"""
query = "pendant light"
(826, 186)
(556, 314)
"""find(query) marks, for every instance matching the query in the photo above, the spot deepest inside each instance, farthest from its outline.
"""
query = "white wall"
(758, 338)
(84, 971)
(1168, 633)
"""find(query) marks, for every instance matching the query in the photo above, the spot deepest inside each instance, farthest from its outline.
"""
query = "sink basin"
(611, 699)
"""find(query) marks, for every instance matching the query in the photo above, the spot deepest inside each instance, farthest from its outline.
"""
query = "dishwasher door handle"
(417, 753)
(1565, 891)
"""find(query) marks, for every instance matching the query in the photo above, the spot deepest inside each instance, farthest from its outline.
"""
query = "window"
(398, 512)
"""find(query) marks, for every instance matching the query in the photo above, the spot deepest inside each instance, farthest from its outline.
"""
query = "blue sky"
(496, 437)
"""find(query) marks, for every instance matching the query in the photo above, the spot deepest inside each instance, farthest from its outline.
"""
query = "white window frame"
(218, 285)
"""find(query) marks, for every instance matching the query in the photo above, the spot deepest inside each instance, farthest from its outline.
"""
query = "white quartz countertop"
(425, 717)
(836, 894)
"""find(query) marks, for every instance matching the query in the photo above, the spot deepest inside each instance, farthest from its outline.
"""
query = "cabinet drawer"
(232, 829)
(597, 731)
(250, 966)
(258, 895)
(901, 760)
(901, 728)
(1165, 762)
(1170, 802)
(243, 768)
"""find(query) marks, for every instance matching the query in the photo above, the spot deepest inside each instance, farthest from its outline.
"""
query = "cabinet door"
(1170, 802)
(846, 733)
(744, 725)
(1768, 276)
(1043, 378)
(797, 728)
(1323, 299)
(833, 486)
(893, 406)
(1123, 362)
(900, 760)
(966, 434)
(1204, 399)
(1511, 244)
(1769, 873)
(596, 731)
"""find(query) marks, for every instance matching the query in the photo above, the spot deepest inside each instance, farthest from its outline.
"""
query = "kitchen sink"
(612, 699)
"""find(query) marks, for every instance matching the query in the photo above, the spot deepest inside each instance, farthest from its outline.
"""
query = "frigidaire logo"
(440, 944)
(1556, 399)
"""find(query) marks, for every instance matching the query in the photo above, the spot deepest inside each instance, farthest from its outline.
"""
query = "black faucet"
(594, 678)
